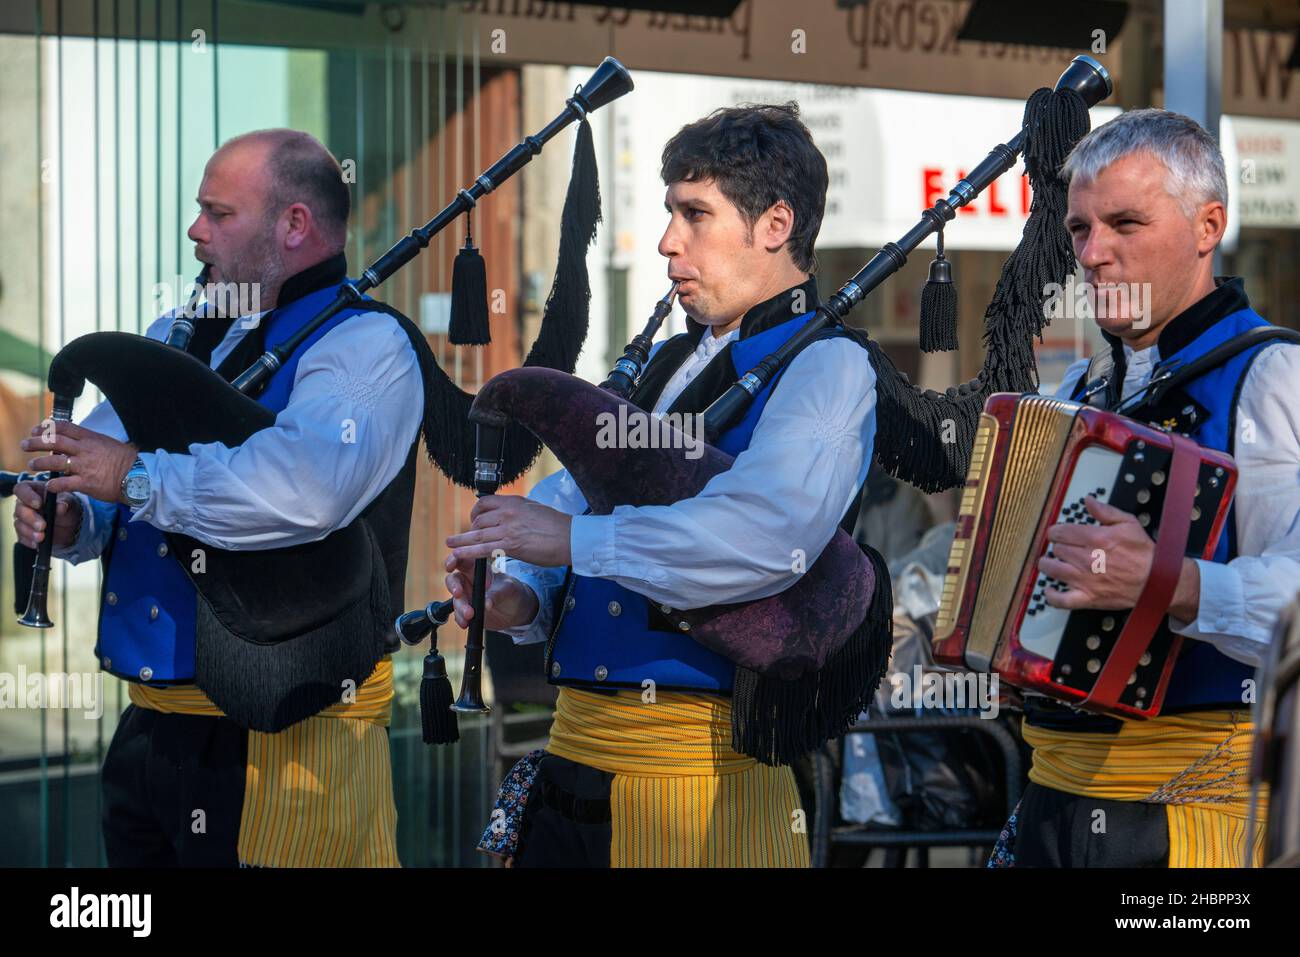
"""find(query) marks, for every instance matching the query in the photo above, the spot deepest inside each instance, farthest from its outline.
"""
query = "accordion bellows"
(1034, 463)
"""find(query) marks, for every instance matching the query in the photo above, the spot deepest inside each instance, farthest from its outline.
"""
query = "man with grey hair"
(1146, 213)
(184, 784)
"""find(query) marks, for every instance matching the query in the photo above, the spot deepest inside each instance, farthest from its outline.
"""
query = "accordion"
(1034, 462)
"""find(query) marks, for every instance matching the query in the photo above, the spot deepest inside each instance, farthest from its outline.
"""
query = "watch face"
(137, 487)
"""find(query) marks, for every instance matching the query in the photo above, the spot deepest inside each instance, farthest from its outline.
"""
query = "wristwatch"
(135, 484)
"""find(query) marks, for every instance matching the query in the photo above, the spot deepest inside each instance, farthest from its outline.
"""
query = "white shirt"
(1240, 601)
(740, 539)
(356, 405)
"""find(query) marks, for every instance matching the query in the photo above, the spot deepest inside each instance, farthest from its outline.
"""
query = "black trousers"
(1055, 829)
(567, 820)
(173, 790)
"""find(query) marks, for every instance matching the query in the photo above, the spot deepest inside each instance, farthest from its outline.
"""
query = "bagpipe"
(1035, 462)
(279, 630)
(809, 658)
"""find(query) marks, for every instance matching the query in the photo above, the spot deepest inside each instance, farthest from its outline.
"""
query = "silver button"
(615, 609)
(665, 609)
(569, 603)
(146, 673)
(601, 672)
(1094, 666)
(162, 550)
(121, 534)
(1093, 642)
(108, 663)
(555, 669)
(684, 626)
(111, 598)
(153, 612)
(1145, 659)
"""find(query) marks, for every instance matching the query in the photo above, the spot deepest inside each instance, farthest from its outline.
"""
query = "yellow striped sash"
(681, 797)
(320, 792)
(1196, 764)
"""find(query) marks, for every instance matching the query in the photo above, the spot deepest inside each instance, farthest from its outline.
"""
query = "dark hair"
(757, 154)
(302, 170)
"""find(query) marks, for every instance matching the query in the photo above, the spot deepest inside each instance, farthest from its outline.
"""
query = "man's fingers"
(1074, 555)
(1074, 598)
(29, 494)
(68, 483)
(1084, 536)
(1107, 514)
(1063, 572)
(489, 503)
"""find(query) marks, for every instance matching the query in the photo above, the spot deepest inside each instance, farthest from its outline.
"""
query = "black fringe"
(778, 721)
(925, 438)
(448, 435)
(267, 687)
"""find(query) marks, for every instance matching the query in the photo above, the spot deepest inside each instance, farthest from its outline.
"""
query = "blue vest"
(1203, 675)
(607, 636)
(148, 610)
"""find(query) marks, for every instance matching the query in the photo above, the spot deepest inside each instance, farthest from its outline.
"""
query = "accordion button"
(1093, 642)
(146, 673)
(111, 598)
(1157, 478)
(1141, 692)
(1066, 669)
(1144, 519)
(1145, 659)
(1108, 623)
(1143, 496)
(615, 609)
(601, 672)
(555, 669)
(665, 609)
(684, 626)
(1129, 477)
(1196, 512)
(1219, 472)
(1132, 679)
(1094, 665)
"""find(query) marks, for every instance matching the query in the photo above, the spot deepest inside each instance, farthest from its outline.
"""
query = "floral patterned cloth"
(1003, 855)
(501, 836)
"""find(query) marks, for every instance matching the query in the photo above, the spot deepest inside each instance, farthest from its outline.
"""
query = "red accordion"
(1035, 460)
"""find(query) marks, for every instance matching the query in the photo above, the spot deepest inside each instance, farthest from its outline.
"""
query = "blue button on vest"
(148, 612)
(606, 635)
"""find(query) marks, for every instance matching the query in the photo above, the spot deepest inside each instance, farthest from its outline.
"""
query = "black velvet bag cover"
(809, 658)
(279, 630)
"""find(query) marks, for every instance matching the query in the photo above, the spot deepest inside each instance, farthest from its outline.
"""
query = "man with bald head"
(183, 784)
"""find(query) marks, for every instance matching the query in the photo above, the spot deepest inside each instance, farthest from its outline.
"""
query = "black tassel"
(778, 721)
(925, 438)
(437, 720)
(448, 435)
(469, 309)
(939, 306)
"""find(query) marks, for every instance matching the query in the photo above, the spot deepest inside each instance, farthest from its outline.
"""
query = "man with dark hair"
(640, 768)
(184, 784)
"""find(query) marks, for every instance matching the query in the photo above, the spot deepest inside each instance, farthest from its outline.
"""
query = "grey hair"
(1191, 156)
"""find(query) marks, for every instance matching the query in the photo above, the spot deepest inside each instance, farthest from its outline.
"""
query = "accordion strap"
(1166, 566)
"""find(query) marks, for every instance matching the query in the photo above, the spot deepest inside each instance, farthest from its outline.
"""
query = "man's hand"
(29, 526)
(517, 527)
(1106, 566)
(510, 603)
(96, 463)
